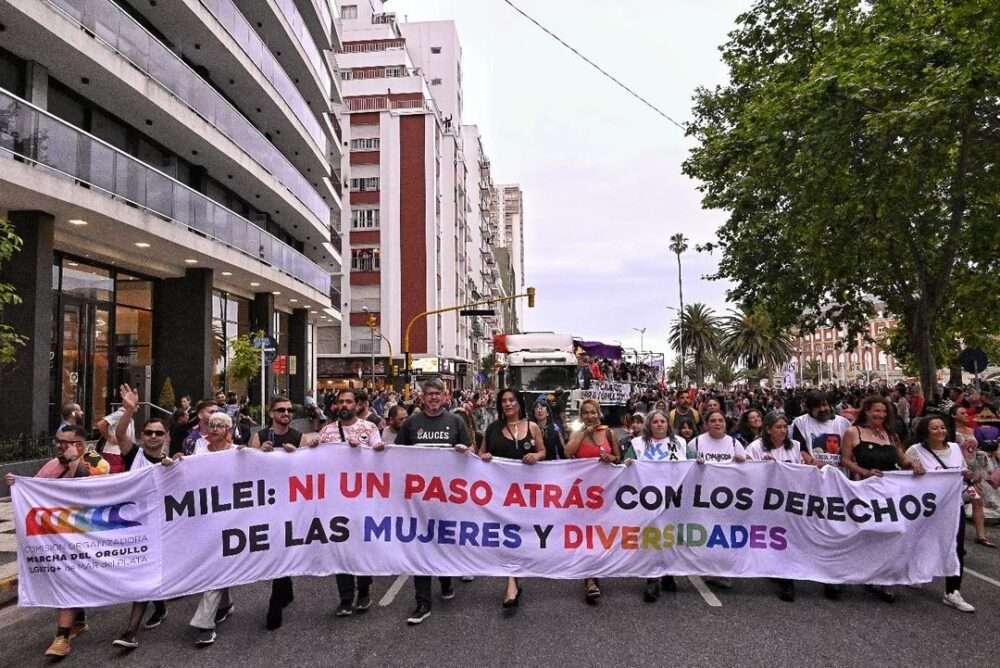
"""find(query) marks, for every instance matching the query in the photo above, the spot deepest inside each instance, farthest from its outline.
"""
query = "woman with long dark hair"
(748, 428)
(934, 452)
(512, 436)
(555, 444)
(872, 447)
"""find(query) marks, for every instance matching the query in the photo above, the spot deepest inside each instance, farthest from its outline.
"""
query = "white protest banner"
(608, 392)
(237, 517)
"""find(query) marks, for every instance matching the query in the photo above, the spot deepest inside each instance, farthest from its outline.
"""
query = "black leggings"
(954, 582)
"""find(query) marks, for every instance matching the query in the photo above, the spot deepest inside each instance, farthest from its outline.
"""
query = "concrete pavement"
(554, 627)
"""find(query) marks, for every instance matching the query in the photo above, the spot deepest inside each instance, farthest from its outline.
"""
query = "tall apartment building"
(168, 166)
(416, 221)
(510, 201)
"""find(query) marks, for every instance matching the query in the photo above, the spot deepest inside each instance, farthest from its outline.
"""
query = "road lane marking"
(390, 594)
(995, 583)
(705, 592)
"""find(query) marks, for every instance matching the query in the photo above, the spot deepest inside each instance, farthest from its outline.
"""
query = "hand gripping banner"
(237, 517)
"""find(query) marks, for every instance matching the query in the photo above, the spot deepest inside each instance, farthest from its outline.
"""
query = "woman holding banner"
(596, 441)
(512, 436)
(215, 606)
(871, 448)
(932, 450)
(657, 444)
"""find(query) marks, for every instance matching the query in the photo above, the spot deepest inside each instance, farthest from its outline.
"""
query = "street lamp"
(642, 334)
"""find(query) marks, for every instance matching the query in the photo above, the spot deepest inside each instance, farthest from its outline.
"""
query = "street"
(748, 626)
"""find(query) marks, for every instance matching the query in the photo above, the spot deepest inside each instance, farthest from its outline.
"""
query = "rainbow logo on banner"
(76, 519)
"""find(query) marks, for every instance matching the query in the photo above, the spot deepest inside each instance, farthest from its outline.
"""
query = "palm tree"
(678, 244)
(698, 329)
(749, 338)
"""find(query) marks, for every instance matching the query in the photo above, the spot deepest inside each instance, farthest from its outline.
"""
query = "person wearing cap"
(988, 462)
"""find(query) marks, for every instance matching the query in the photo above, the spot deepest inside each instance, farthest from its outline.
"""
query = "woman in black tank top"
(871, 448)
(512, 437)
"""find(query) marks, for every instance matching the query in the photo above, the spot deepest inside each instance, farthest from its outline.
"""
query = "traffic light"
(372, 321)
(531, 298)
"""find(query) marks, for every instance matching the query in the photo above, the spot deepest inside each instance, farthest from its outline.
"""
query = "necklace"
(513, 432)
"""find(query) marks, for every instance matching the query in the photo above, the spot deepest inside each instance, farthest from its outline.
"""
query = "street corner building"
(174, 170)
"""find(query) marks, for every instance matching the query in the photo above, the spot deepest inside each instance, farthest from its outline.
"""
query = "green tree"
(811, 371)
(10, 340)
(751, 339)
(167, 397)
(700, 335)
(720, 371)
(244, 363)
(855, 150)
(678, 244)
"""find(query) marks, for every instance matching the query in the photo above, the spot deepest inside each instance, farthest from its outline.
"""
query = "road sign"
(477, 311)
(269, 345)
(973, 360)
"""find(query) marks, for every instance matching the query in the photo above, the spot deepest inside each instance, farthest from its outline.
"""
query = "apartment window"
(435, 82)
(365, 144)
(365, 259)
(395, 71)
(364, 219)
(349, 12)
(368, 184)
(435, 50)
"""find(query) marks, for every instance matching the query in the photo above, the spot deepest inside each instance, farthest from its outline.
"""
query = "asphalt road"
(749, 627)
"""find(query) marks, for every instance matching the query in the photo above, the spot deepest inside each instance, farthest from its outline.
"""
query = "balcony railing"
(385, 103)
(366, 347)
(119, 32)
(33, 135)
(373, 46)
(240, 29)
(373, 305)
(385, 18)
(301, 30)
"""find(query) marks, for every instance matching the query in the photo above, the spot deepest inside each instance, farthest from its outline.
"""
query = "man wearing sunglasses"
(278, 434)
(70, 442)
(153, 442)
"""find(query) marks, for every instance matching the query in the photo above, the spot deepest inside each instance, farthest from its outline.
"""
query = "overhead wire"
(597, 67)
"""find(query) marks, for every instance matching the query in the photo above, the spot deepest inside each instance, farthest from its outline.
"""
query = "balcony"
(371, 305)
(32, 135)
(253, 46)
(306, 41)
(119, 32)
(385, 103)
(366, 347)
(384, 18)
(373, 46)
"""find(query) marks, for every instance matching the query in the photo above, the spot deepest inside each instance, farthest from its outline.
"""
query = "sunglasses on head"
(153, 432)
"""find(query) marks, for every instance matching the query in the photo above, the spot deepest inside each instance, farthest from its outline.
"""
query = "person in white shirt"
(819, 429)
(775, 444)
(395, 417)
(215, 606)
(349, 429)
(715, 446)
(932, 449)
(657, 444)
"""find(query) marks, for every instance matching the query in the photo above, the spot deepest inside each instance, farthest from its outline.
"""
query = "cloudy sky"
(601, 173)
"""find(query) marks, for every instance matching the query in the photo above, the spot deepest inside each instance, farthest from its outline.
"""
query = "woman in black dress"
(512, 436)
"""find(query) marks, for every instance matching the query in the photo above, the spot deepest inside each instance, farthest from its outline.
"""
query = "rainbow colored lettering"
(74, 519)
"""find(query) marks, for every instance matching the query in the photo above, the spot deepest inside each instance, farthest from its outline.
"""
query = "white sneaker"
(955, 600)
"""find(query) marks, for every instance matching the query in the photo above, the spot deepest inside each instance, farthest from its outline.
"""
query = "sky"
(600, 172)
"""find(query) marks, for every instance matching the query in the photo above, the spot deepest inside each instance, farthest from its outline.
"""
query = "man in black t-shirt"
(432, 426)
(278, 435)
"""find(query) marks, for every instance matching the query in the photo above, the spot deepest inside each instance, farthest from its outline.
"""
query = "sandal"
(986, 542)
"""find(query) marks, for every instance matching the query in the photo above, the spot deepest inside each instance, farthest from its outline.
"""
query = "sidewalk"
(8, 553)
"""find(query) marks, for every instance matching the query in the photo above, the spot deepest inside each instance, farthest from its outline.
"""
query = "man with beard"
(820, 431)
(350, 429)
(279, 434)
(152, 450)
(683, 409)
(433, 426)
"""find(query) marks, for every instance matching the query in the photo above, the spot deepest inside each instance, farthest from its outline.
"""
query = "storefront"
(102, 336)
